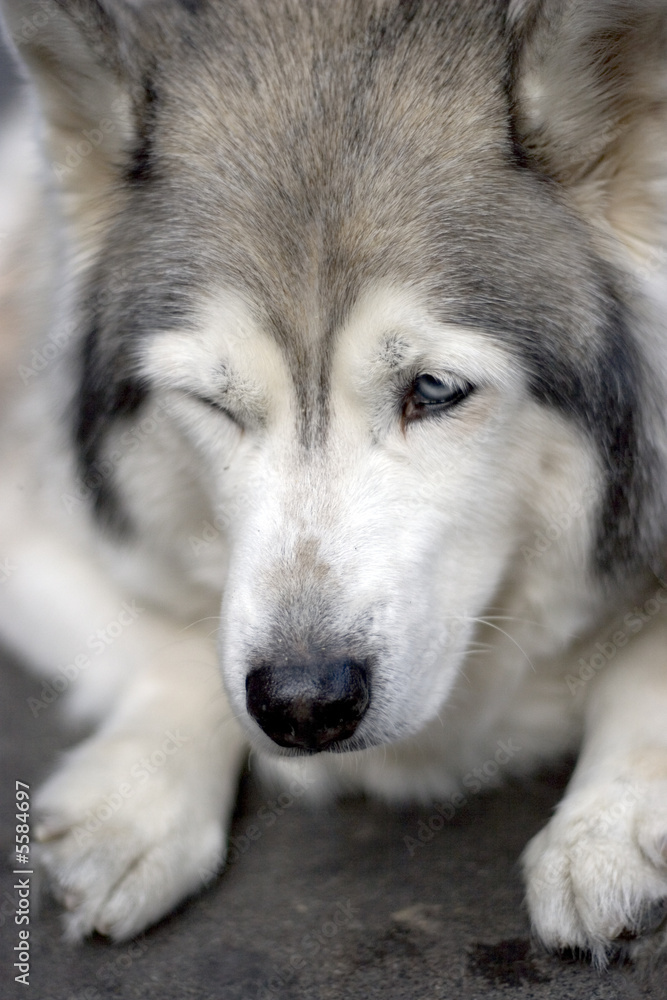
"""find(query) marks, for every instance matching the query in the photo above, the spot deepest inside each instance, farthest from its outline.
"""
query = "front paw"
(128, 827)
(596, 875)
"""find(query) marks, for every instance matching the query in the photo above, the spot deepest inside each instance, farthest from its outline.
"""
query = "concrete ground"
(326, 905)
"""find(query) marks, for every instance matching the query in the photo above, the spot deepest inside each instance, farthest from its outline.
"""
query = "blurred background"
(8, 78)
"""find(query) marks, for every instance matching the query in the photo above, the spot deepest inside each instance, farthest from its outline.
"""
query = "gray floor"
(322, 905)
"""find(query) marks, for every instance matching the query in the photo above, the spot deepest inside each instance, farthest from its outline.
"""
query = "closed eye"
(428, 395)
(215, 405)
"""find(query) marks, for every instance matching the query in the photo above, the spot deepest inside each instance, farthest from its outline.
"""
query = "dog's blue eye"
(429, 395)
(431, 390)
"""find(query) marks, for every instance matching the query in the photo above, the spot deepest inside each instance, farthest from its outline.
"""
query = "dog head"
(375, 272)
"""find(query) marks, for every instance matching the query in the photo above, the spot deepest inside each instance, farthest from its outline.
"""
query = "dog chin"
(353, 744)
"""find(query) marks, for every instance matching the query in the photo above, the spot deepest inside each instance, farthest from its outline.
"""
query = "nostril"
(309, 707)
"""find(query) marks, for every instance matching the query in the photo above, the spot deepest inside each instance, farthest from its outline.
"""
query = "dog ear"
(82, 56)
(590, 97)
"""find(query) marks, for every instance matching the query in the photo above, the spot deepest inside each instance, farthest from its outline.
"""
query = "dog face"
(366, 530)
(374, 438)
(357, 274)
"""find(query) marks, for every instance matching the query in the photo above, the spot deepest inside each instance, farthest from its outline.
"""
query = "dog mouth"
(353, 744)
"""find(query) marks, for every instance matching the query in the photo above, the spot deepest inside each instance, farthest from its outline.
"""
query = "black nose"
(309, 707)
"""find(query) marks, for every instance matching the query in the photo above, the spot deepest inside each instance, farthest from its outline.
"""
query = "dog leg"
(597, 873)
(134, 818)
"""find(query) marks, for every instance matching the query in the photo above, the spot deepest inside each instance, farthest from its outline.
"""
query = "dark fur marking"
(518, 155)
(141, 167)
(102, 400)
(603, 400)
(515, 42)
(616, 416)
(192, 6)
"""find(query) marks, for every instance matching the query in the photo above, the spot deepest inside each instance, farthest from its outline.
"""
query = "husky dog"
(335, 426)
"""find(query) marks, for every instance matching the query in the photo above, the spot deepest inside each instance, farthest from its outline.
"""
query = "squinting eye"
(428, 395)
(214, 405)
